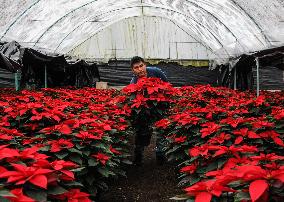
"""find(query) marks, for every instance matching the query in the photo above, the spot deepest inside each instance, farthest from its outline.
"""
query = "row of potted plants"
(60, 144)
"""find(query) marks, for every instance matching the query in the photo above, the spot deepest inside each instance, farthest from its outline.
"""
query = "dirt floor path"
(148, 183)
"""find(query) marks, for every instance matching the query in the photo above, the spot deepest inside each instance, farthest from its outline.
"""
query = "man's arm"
(160, 74)
(133, 80)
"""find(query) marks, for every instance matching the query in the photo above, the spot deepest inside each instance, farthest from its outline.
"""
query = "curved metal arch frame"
(265, 37)
(12, 24)
(197, 6)
(141, 15)
(253, 20)
(206, 46)
(62, 18)
(138, 7)
(211, 14)
(137, 16)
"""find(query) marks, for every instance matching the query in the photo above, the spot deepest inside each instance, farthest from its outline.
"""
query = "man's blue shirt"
(152, 72)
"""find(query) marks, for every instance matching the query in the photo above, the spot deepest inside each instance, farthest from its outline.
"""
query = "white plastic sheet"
(225, 27)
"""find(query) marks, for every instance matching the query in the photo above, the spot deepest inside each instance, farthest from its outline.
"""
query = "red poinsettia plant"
(149, 99)
(228, 144)
(84, 127)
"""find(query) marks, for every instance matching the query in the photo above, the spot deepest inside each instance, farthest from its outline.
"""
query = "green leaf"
(73, 184)
(2, 199)
(113, 131)
(90, 179)
(87, 153)
(37, 194)
(56, 190)
(4, 192)
(76, 158)
(212, 166)
(126, 161)
(92, 162)
(105, 172)
(241, 196)
(181, 197)
(78, 169)
(176, 147)
(75, 151)
(61, 155)
(45, 149)
(79, 146)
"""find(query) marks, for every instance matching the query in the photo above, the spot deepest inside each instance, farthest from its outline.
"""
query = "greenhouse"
(142, 100)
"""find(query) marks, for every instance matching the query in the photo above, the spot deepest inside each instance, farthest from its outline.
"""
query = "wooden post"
(257, 76)
(45, 77)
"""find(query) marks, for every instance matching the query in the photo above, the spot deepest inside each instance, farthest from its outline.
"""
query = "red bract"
(74, 195)
(101, 157)
(244, 132)
(258, 189)
(60, 164)
(11, 132)
(8, 153)
(58, 145)
(200, 150)
(84, 135)
(139, 101)
(262, 124)
(250, 172)
(273, 135)
(185, 119)
(234, 122)
(180, 139)
(278, 113)
(163, 123)
(203, 191)
(31, 153)
(267, 157)
(209, 128)
(232, 150)
(62, 128)
(22, 174)
(219, 139)
(114, 151)
(19, 196)
(189, 169)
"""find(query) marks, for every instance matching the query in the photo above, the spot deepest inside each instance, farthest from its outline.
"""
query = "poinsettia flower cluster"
(228, 143)
(30, 169)
(149, 99)
(85, 127)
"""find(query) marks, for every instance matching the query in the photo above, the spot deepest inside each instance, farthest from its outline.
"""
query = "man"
(143, 129)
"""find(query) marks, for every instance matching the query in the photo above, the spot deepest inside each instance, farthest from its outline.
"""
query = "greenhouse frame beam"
(12, 24)
(180, 13)
(141, 15)
(62, 18)
(253, 20)
(215, 17)
(206, 46)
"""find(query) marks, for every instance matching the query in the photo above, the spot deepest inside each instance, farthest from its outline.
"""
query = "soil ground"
(148, 183)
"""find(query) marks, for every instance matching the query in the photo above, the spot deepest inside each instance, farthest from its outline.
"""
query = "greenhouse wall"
(148, 37)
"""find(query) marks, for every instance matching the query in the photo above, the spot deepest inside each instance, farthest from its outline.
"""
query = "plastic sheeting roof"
(226, 27)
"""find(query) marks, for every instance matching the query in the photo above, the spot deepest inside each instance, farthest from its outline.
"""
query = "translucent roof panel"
(163, 39)
(227, 27)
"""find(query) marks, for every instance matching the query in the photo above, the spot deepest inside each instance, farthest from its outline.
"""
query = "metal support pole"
(177, 49)
(257, 76)
(235, 78)
(16, 81)
(169, 50)
(45, 77)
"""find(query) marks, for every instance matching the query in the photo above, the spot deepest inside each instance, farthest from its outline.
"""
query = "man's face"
(139, 69)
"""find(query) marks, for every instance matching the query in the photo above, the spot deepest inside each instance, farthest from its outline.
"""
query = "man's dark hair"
(136, 59)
